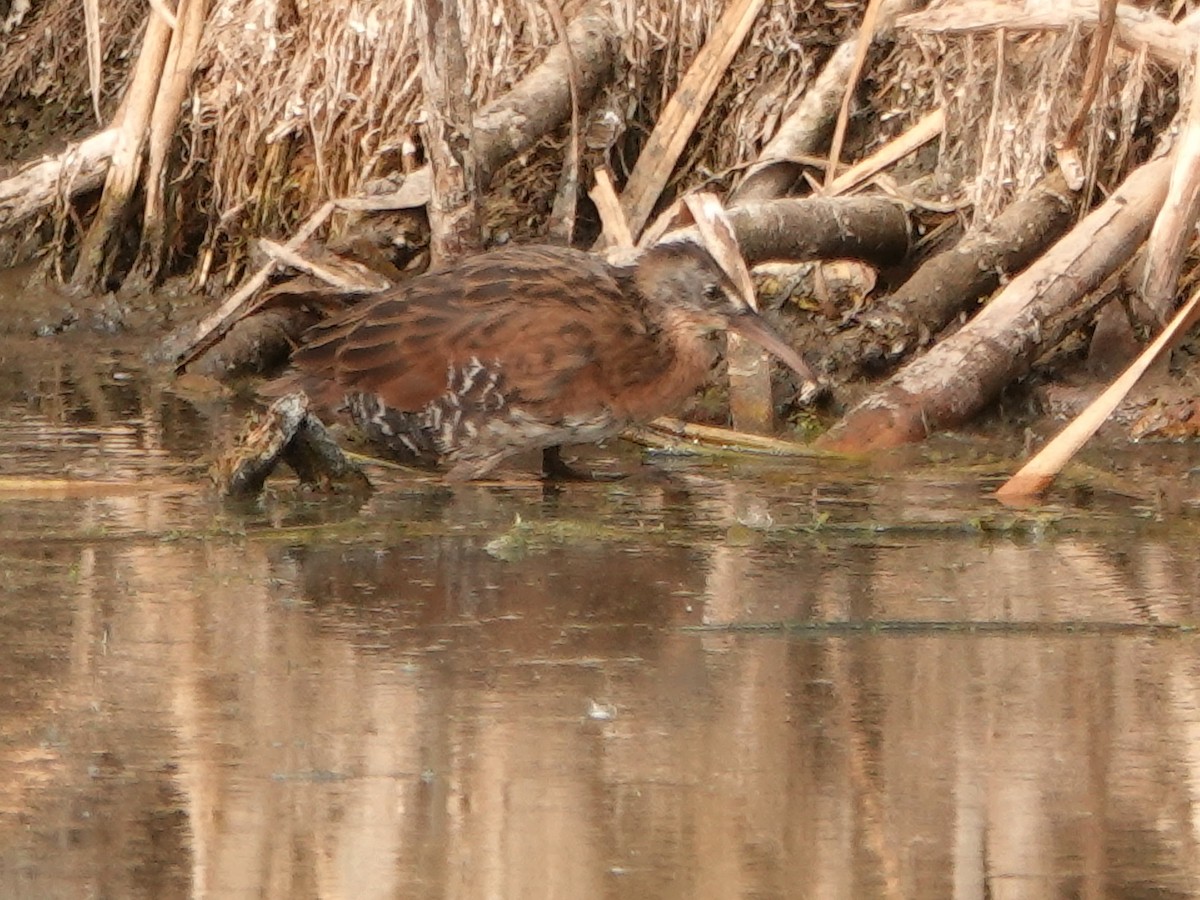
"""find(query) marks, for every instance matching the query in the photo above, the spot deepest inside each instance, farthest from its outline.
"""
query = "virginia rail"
(527, 347)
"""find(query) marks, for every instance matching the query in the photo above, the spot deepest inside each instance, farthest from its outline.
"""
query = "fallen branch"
(216, 323)
(966, 371)
(951, 283)
(37, 187)
(541, 101)
(1174, 228)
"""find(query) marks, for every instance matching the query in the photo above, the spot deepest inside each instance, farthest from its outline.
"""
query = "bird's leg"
(555, 468)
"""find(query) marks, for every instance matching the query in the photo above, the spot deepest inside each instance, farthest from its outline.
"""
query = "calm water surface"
(760, 680)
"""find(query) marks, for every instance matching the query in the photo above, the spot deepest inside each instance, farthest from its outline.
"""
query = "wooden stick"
(615, 230)
(721, 437)
(895, 150)
(683, 110)
(1038, 474)
(366, 283)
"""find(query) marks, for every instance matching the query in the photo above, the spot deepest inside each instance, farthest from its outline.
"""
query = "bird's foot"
(555, 468)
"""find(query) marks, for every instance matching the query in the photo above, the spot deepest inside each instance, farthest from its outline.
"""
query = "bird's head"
(679, 274)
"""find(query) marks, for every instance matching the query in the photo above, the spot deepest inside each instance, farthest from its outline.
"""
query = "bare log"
(449, 144)
(961, 375)
(126, 164)
(952, 282)
(874, 229)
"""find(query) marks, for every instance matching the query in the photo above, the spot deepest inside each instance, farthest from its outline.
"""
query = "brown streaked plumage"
(526, 347)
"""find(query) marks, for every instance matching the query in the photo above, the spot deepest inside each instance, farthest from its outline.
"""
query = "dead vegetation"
(992, 128)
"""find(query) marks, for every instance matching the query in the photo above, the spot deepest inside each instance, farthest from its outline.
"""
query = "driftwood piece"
(952, 282)
(454, 204)
(126, 165)
(961, 375)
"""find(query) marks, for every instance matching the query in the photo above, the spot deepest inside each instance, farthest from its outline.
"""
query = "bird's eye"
(712, 292)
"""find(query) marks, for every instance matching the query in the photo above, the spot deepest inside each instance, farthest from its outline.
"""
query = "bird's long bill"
(754, 327)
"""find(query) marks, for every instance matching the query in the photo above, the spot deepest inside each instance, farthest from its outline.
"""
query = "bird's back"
(556, 328)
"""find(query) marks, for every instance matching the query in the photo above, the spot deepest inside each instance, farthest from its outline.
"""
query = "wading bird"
(528, 347)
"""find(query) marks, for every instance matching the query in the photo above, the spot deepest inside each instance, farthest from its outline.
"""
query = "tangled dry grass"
(297, 101)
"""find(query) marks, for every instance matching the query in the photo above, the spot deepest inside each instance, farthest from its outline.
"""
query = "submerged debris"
(285, 432)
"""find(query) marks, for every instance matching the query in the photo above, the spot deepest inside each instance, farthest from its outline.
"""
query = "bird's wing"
(553, 324)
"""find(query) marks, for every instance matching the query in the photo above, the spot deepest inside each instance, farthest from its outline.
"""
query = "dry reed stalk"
(683, 111)
(931, 126)
(615, 233)
(126, 162)
(91, 28)
(675, 430)
(1068, 153)
(360, 280)
(866, 34)
(177, 73)
(1036, 476)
